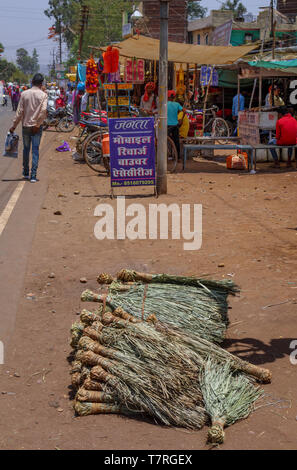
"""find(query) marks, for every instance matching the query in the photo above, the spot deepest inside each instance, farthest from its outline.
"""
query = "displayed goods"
(149, 350)
(92, 82)
(111, 60)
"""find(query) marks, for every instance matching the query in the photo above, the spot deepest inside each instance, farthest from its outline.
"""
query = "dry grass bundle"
(167, 367)
(148, 376)
(86, 409)
(126, 275)
(193, 312)
(228, 397)
(84, 395)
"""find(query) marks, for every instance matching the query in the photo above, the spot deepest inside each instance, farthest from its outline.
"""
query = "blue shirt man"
(235, 105)
(173, 109)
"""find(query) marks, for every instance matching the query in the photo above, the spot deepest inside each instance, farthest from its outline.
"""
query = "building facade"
(201, 31)
(178, 23)
(288, 8)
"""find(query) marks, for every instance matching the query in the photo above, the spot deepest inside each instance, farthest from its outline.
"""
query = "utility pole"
(163, 99)
(84, 12)
(272, 29)
(60, 41)
(54, 64)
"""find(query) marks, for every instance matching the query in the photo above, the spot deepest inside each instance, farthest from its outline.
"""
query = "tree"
(10, 73)
(35, 62)
(236, 6)
(24, 61)
(104, 25)
(65, 14)
(195, 10)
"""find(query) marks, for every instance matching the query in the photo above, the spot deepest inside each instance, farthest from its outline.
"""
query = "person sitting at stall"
(277, 100)
(173, 109)
(149, 101)
(286, 134)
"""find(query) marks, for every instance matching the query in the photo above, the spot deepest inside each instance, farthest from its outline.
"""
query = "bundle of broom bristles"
(150, 350)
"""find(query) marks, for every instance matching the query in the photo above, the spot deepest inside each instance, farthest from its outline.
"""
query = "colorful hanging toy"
(92, 82)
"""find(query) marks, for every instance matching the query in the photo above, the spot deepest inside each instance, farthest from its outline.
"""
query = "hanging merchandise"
(111, 60)
(209, 75)
(92, 82)
(134, 71)
(100, 65)
(115, 77)
(180, 88)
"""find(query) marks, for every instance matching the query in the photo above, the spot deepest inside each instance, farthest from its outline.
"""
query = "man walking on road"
(32, 111)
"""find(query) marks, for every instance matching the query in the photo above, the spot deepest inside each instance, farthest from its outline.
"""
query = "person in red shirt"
(286, 134)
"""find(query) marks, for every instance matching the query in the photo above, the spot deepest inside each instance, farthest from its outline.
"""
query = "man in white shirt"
(32, 111)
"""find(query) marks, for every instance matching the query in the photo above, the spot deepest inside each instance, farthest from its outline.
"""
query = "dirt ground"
(249, 227)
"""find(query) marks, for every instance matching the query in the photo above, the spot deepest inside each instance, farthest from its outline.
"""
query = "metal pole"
(163, 99)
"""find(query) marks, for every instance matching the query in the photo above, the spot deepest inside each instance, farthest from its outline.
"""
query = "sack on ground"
(237, 162)
(11, 146)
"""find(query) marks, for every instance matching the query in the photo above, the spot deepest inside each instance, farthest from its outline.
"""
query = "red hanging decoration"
(111, 60)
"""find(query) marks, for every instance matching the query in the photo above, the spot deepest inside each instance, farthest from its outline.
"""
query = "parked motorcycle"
(61, 119)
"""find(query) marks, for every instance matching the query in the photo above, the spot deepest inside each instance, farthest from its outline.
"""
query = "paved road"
(18, 227)
(9, 167)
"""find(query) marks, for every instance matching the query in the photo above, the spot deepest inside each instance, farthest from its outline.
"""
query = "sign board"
(121, 86)
(122, 101)
(205, 76)
(60, 75)
(249, 128)
(221, 36)
(134, 71)
(60, 68)
(267, 121)
(127, 30)
(132, 152)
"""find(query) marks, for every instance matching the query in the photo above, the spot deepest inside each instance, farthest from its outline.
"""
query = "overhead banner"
(222, 34)
(132, 152)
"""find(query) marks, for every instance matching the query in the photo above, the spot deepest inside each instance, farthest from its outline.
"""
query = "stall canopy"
(287, 65)
(143, 47)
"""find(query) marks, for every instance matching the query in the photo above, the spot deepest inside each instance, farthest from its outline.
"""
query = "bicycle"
(215, 126)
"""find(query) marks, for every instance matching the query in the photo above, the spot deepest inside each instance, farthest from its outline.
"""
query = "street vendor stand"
(254, 121)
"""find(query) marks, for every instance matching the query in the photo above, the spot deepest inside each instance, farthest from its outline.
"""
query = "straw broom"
(235, 405)
(204, 348)
(194, 314)
(228, 286)
(228, 397)
(138, 384)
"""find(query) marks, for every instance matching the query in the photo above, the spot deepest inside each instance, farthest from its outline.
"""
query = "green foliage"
(10, 73)
(35, 62)
(104, 23)
(65, 14)
(236, 6)
(27, 64)
(196, 10)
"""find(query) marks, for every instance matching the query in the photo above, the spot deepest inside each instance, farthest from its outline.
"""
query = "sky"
(23, 24)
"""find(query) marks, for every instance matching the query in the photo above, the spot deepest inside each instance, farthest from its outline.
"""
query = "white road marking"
(4, 217)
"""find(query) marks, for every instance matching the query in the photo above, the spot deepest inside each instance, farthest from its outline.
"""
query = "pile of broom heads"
(150, 346)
